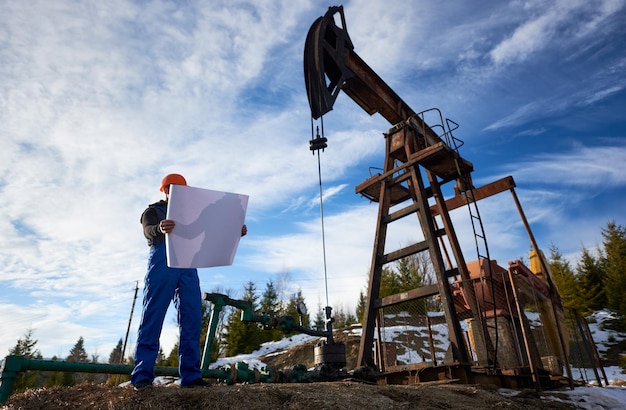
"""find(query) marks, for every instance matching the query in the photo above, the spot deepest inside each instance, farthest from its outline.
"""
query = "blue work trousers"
(162, 285)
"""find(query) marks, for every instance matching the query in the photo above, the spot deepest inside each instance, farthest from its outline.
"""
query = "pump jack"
(419, 160)
(481, 293)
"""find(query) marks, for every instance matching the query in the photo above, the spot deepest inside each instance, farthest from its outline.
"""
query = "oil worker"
(163, 284)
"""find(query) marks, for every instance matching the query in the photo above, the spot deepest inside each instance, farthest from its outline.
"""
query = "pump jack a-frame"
(420, 159)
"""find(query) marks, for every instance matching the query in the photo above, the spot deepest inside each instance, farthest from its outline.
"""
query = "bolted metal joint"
(318, 143)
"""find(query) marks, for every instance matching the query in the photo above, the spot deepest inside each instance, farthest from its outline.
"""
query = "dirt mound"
(337, 395)
(304, 353)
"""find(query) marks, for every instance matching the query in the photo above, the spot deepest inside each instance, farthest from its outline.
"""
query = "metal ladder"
(466, 188)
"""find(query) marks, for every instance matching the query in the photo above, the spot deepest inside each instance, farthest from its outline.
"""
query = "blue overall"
(163, 284)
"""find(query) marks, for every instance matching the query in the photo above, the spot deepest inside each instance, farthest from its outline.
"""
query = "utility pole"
(132, 309)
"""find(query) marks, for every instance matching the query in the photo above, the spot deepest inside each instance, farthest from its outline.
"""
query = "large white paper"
(208, 227)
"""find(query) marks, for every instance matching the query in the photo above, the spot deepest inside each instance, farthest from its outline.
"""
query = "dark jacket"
(150, 219)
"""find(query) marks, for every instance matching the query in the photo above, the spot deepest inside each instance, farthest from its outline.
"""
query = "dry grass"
(338, 395)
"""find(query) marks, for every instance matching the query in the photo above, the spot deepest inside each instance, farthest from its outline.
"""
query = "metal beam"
(483, 192)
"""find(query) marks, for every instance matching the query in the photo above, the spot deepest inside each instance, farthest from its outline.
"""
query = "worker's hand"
(244, 230)
(166, 225)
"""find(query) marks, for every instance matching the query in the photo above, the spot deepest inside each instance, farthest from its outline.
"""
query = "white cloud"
(547, 21)
(583, 166)
(99, 101)
(349, 240)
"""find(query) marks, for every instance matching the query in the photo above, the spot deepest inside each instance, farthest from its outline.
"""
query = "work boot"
(142, 384)
(196, 383)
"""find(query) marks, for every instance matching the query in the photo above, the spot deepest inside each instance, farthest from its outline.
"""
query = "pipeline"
(13, 365)
(329, 356)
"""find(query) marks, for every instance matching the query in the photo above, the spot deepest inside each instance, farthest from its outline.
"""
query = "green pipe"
(239, 372)
(247, 313)
(12, 365)
(219, 302)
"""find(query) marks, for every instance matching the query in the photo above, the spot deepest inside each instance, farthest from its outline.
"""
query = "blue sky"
(99, 100)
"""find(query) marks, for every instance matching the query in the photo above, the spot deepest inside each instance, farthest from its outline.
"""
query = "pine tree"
(291, 309)
(615, 265)
(270, 304)
(564, 278)
(77, 354)
(161, 361)
(115, 357)
(25, 346)
(243, 337)
(342, 318)
(172, 358)
(590, 275)
(389, 283)
(414, 271)
(116, 354)
(408, 273)
(360, 307)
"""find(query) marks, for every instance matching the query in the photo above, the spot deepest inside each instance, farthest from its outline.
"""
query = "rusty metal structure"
(477, 322)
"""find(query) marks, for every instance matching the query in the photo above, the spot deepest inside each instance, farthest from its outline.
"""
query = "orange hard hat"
(172, 179)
